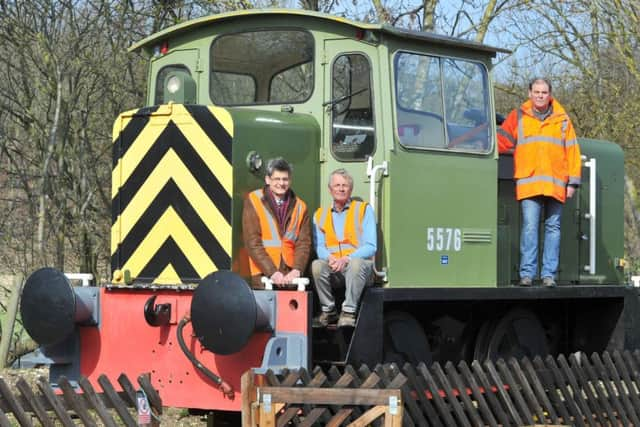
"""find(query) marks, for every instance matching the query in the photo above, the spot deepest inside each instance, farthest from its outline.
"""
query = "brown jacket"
(252, 237)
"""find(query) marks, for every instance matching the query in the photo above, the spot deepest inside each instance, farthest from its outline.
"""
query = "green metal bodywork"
(444, 218)
(609, 202)
(440, 191)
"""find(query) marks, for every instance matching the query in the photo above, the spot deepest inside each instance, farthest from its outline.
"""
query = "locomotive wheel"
(519, 333)
(405, 340)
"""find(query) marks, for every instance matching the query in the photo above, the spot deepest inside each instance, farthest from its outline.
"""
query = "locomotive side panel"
(442, 186)
(606, 247)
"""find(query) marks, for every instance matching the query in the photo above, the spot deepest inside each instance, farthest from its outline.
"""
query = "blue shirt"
(368, 243)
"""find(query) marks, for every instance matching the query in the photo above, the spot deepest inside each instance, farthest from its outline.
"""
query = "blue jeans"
(531, 210)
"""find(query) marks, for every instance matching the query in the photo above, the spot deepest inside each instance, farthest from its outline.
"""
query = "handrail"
(591, 216)
(372, 173)
(300, 283)
(84, 277)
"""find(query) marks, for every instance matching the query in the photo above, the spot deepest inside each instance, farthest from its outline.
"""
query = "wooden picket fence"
(109, 408)
(601, 390)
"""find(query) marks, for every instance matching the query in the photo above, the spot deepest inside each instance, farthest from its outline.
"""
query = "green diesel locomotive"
(411, 116)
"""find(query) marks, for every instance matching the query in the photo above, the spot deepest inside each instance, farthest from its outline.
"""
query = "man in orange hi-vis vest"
(276, 228)
(346, 242)
(547, 170)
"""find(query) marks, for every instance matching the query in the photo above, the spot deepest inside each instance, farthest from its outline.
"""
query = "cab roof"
(184, 27)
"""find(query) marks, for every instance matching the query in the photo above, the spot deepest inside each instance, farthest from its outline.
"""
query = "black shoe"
(325, 319)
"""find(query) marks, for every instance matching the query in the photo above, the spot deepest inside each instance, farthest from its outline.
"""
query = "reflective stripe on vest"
(267, 222)
(540, 184)
(293, 233)
(352, 233)
(276, 247)
(520, 127)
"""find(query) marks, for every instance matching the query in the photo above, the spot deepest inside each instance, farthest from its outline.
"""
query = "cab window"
(442, 103)
(262, 67)
(353, 136)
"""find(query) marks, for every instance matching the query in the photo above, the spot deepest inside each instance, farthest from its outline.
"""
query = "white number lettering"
(457, 240)
(444, 239)
(439, 236)
(429, 239)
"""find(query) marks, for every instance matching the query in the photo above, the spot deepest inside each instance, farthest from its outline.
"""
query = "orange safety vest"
(547, 154)
(277, 247)
(352, 228)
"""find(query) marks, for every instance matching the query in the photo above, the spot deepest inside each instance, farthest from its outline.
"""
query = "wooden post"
(10, 319)
(267, 413)
(394, 420)
(248, 390)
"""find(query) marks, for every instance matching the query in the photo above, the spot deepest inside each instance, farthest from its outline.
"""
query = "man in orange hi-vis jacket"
(276, 228)
(546, 158)
(346, 241)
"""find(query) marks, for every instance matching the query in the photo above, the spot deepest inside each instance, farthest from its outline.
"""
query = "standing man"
(546, 159)
(345, 241)
(276, 228)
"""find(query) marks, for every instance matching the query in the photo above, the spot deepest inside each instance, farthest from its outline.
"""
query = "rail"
(372, 172)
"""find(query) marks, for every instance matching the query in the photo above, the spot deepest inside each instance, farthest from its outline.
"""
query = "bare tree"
(61, 86)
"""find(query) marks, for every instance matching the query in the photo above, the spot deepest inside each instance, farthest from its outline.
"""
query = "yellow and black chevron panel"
(171, 194)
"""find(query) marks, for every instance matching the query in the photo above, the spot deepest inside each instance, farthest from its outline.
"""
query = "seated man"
(276, 228)
(345, 241)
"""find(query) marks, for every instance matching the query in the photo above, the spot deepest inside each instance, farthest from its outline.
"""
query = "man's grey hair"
(342, 172)
(540, 80)
(279, 164)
